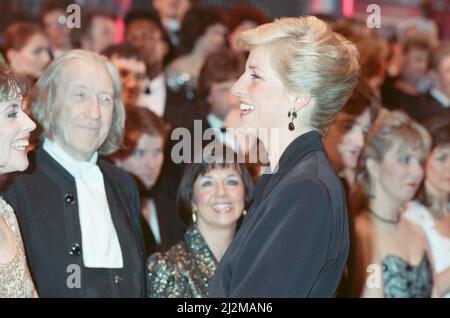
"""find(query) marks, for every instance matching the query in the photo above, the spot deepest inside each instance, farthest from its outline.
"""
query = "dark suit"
(294, 240)
(181, 111)
(45, 200)
(171, 228)
(429, 108)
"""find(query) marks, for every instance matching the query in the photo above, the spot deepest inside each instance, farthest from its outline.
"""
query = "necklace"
(382, 219)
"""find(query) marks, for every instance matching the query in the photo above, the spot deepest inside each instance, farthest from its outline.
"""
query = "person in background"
(15, 129)
(27, 49)
(241, 18)
(78, 212)
(203, 32)
(212, 198)
(142, 156)
(343, 143)
(215, 100)
(59, 33)
(373, 56)
(431, 211)
(403, 93)
(436, 103)
(131, 67)
(392, 254)
(97, 32)
(171, 13)
(145, 32)
(347, 134)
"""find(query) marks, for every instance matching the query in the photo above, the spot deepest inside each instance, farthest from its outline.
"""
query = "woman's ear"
(302, 101)
(373, 168)
(11, 57)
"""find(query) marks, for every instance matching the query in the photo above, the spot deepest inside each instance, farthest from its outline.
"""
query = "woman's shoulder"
(6, 210)
(418, 214)
(168, 260)
(166, 272)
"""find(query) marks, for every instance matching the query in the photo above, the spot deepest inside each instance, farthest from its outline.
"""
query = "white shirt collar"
(70, 164)
(157, 83)
(172, 24)
(440, 97)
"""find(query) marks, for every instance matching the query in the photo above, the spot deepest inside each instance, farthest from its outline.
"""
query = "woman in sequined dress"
(212, 197)
(392, 254)
(15, 128)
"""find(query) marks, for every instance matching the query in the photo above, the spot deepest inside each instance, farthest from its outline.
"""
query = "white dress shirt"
(153, 220)
(100, 243)
(156, 98)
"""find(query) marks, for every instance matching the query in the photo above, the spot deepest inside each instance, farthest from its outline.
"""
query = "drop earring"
(292, 115)
(194, 216)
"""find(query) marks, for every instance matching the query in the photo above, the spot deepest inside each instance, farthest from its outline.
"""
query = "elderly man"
(78, 213)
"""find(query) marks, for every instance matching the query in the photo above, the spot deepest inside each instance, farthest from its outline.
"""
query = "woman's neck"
(217, 239)
(383, 207)
(276, 144)
(439, 197)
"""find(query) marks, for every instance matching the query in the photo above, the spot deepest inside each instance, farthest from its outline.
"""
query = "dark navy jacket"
(294, 241)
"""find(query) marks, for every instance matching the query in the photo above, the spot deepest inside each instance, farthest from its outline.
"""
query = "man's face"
(103, 33)
(171, 9)
(84, 108)
(59, 33)
(147, 38)
(132, 75)
(415, 65)
(221, 98)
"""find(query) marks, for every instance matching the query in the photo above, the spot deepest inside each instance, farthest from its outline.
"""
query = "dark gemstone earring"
(292, 114)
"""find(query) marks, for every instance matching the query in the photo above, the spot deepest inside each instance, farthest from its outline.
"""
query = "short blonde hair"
(391, 128)
(45, 93)
(308, 57)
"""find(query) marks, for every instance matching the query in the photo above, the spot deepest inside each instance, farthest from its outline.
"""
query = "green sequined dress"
(184, 271)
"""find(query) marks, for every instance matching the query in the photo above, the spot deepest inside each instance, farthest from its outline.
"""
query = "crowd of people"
(144, 168)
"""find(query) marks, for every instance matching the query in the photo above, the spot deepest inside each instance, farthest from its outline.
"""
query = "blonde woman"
(15, 128)
(393, 258)
(294, 241)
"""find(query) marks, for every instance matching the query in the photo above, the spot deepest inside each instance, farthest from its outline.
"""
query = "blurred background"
(393, 11)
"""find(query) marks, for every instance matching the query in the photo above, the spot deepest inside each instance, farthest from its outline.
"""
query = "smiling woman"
(299, 74)
(212, 197)
(15, 128)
